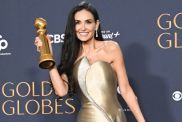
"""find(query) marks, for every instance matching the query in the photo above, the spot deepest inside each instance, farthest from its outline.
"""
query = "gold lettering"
(47, 106)
(176, 41)
(12, 109)
(33, 90)
(12, 90)
(175, 21)
(36, 107)
(56, 106)
(70, 106)
(169, 42)
(43, 88)
(18, 89)
(18, 108)
(159, 22)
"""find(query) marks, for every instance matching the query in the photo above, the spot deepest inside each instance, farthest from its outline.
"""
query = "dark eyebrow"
(76, 20)
(90, 19)
(86, 20)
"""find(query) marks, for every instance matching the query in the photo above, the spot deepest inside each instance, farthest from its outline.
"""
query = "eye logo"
(3, 43)
(177, 96)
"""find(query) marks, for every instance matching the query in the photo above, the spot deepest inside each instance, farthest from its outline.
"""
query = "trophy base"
(46, 62)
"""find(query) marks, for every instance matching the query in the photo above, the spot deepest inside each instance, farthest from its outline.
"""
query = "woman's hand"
(38, 43)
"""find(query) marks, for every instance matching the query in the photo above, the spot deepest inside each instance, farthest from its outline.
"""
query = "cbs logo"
(57, 38)
(3, 43)
(177, 96)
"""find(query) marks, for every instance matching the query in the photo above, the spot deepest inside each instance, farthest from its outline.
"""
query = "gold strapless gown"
(96, 86)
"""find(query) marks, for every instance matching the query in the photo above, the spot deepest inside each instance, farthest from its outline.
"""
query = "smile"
(83, 33)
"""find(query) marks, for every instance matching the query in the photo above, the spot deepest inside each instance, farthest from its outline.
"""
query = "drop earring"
(96, 33)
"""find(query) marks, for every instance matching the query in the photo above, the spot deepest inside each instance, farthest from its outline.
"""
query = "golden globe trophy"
(46, 60)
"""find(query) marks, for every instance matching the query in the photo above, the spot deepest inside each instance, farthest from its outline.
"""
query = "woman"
(92, 68)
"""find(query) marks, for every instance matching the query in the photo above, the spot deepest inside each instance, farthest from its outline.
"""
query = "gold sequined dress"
(96, 86)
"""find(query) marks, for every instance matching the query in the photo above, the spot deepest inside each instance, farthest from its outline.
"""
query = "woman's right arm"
(60, 83)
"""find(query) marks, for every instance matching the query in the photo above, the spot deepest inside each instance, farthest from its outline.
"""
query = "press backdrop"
(149, 33)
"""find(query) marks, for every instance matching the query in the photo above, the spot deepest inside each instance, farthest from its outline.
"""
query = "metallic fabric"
(96, 86)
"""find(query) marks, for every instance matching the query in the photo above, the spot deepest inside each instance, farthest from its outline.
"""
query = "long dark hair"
(71, 46)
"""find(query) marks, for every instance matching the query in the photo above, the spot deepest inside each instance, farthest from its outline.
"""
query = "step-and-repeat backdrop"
(149, 33)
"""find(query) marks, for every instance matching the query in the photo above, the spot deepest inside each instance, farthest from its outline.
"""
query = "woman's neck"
(88, 47)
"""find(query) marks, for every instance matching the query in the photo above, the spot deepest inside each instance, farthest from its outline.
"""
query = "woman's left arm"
(126, 91)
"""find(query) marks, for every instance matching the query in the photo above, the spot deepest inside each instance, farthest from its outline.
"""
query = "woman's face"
(85, 25)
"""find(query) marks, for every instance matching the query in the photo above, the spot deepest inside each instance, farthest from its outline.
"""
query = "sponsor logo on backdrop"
(3, 46)
(32, 98)
(170, 26)
(110, 34)
(177, 96)
(58, 38)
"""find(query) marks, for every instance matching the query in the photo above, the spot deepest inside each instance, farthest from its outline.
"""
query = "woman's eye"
(88, 21)
(77, 22)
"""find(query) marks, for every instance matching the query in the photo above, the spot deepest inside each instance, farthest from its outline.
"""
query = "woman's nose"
(83, 26)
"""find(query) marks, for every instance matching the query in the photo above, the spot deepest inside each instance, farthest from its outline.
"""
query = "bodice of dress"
(96, 86)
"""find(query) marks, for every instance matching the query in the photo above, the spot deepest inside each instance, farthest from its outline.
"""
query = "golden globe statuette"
(46, 60)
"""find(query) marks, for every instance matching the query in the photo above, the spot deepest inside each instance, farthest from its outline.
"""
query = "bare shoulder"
(112, 46)
(112, 50)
